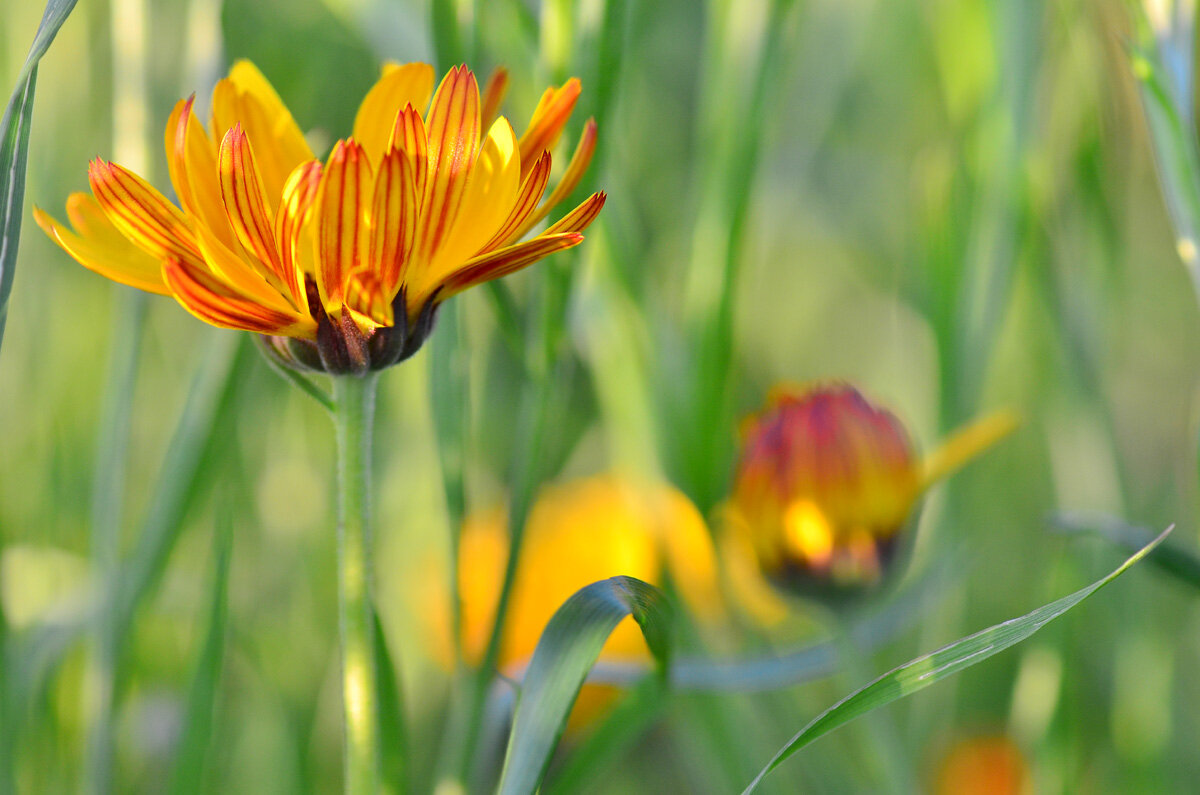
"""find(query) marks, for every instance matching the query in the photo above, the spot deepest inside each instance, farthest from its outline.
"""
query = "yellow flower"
(580, 532)
(344, 263)
(825, 483)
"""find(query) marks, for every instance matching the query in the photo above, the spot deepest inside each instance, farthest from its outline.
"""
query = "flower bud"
(826, 484)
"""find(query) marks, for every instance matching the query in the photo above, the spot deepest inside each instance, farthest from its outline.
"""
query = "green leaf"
(14, 147)
(393, 736)
(1172, 558)
(946, 661)
(565, 653)
(188, 774)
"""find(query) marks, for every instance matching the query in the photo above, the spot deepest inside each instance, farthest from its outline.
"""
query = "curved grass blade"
(1172, 558)
(14, 147)
(565, 653)
(393, 736)
(946, 661)
(188, 775)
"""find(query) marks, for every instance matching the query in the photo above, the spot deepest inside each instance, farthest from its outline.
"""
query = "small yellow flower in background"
(985, 765)
(580, 532)
(341, 263)
(825, 483)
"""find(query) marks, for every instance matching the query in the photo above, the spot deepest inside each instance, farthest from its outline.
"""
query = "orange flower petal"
(398, 87)
(193, 169)
(393, 222)
(367, 295)
(216, 302)
(97, 245)
(452, 142)
(570, 179)
(409, 136)
(549, 118)
(531, 193)
(581, 217)
(505, 261)
(292, 220)
(493, 95)
(246, 206)
(142, 214)
(341, 206)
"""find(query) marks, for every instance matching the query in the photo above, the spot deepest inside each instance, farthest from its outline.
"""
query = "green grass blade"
(946, 661)
(393, 736)
(565, 653)
(1172, 558)
(14, 148)
(188, 775)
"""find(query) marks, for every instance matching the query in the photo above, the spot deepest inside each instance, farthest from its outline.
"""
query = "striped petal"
(246, 205)
(409, 135)
(193, 168)
(580, 160)
(581, 217)
(549, 118)
(292, 225)
(393, 223)
(341, 229)
(367, 295)
(505, 261)
(531, 193)
(398, 87)
(97, 245)
(246, 97)
(490, 193)
(142, 214)
(249, 279)
(216, 302)
(493, 95)
(452, 144)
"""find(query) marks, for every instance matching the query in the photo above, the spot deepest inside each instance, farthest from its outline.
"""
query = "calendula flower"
(580, 532)
(827, 481)
(340, 264)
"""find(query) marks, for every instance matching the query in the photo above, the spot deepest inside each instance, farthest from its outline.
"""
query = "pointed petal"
(549, 118)
(490, 193)
(409, 135)
(142, 214)
(452, 141)
(246, 205)
(570, 179)
(493, 95)
(341, 206)
(97, 245)
(527, 201)
(966, 443)
(216, 302)
(398, 87)
(393, 222)
(192, 163)
(247, 98)
(581, 217)
(292, 223)
(505, 261)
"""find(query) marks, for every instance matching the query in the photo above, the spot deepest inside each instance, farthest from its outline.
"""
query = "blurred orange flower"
(825, 482)
(988, 765)
(345, 262)
(580, 532)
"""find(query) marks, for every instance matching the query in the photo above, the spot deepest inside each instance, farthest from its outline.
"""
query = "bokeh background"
(951, 203)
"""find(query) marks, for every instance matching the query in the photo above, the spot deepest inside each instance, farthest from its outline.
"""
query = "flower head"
(342, 263)
(827, 481)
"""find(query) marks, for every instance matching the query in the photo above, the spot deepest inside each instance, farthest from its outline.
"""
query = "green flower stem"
(354, 411)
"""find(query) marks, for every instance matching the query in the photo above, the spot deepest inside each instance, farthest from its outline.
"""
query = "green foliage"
(565, 653)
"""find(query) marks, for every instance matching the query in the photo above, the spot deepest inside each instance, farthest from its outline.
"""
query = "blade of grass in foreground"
(565, 653)
(14, 147)
(946, 661)
(188, 775)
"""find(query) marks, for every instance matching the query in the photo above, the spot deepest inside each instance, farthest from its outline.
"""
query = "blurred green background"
(951, 203)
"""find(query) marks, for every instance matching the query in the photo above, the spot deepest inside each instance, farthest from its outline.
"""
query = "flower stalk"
(354, 413)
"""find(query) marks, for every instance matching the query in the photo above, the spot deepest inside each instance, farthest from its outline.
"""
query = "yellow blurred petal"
(410, 84)
(967, 443)
(493, 95)
(191, 161)
(110, 255)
